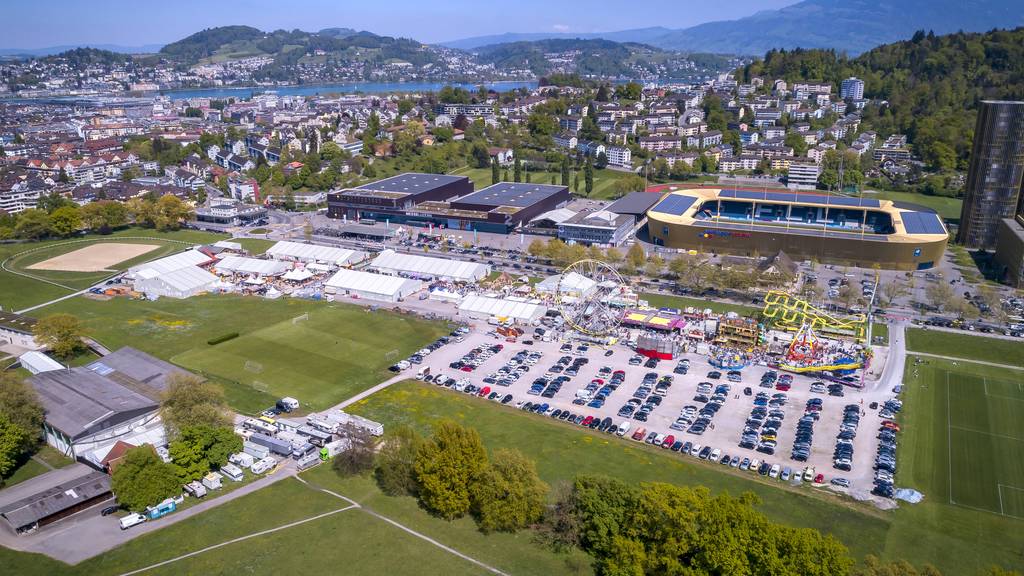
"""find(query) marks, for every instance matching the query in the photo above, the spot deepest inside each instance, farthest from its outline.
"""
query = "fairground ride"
(587, 307)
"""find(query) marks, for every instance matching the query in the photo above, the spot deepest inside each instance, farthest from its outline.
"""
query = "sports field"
(23, 283)
(968, 345)
(321, 357)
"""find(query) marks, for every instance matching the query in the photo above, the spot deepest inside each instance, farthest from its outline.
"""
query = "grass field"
(966, 345)
(603, 180)
(963, 447)
(340, 350)
(669, 301)
(18, 292)
(32, 467)
(562, 451)
(255, 245)
(321, 360)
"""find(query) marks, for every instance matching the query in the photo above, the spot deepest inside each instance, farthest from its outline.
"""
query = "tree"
(517, 170)
(635, 256)
(192, 112)
(33, 224)
(19, 404)
(197, 449)
(630, 183)
(537, 248)
(495, 171)
(446, 466)
(601, 161)
(65, 220)
(541, 124)
(628, 91)
(565, 170)
(189, 401)
(613, 256)
(588, 176)
(508, 495)
(170, 212)
(104, 215)
(141, 479)
(939, 294)
(359, 456)
(396, 462)
(61, 333)
(480, 155)
(576, 183)
(12, 445)
(795, 140)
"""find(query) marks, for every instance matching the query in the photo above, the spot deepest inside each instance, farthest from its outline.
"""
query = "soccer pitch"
(320, 358)
(976, 432)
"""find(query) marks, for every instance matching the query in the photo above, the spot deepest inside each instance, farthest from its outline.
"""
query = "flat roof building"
(391, 196)
(17, 329)
(46, 506)
(602, 227)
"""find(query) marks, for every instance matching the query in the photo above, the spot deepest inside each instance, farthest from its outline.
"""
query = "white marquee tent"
(285, 250)
(242, 265)
(480, 307)
(391, 262)
(180, 283)
(371, 286)
(573, 284)
(171, 263)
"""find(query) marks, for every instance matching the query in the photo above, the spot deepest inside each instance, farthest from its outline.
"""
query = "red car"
(587, 421)
(819, 479)
(891, 425)
(640, 434)
(466, 368)
(669, 441)
(783, 387)
(485, 391)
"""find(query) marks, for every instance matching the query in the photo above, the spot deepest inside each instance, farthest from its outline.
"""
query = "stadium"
(836, 229)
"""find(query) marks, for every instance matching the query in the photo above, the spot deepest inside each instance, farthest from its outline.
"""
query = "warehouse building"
(250, 266)
(314, 253)
(17, 330)
(635, 204)
(181, 283)
(603, 227)
(54, 502)
(388, 199)
(485, 307)
(835, 229)
(371, 286)
(428, 268)
(35, 362)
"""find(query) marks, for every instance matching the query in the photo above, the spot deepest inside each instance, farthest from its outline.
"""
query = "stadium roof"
(79, 399)
(307, 252)
(369, 282)
(501, 308)
(518, 194)
(243, 265)
(411, 183)
(802, 198)
(173, 262)
(426, 266)
(31, 509)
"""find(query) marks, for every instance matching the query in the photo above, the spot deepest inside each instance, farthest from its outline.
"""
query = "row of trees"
(62, 218)
(21, 422)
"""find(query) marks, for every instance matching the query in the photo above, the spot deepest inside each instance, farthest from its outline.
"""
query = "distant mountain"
(589, 57)
(51, 50)
(851, 25)
(641, 35)
(344, 32)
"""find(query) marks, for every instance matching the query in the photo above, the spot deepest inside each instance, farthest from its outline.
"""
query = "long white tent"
(574, 284)
(173, 262)
(391, 262)
(285, 250)
(242, 265)
(371, 286)
(481, 307)
(180, 283)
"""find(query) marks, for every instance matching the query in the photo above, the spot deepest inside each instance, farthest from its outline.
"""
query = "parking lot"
(769, 413)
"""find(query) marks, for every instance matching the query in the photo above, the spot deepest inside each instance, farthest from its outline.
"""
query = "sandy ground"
(94, 258)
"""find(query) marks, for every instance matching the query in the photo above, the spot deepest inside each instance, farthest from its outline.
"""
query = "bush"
(222, 338)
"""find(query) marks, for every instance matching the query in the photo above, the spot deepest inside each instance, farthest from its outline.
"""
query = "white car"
(716, 455)
(132, 519)
(808, 473)
(774, 472)
(695, 450)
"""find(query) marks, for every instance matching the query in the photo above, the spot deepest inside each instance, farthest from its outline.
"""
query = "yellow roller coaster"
(791, 313)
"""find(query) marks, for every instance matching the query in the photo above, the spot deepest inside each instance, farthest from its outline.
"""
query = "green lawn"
(880, 330)
(342, 348)
(669, 301)
(255, 246)
(948, 208)
(562, 451)
(962, 445)
(603, 180)
(17, 291)
(31, 467)
(966, 345)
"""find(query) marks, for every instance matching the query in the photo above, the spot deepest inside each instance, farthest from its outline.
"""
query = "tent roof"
(285, 249)
(372, 283)
(428, 266)
(501, 307)
(243, 265)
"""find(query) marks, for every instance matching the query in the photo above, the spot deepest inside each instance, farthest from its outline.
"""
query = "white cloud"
(561, 27)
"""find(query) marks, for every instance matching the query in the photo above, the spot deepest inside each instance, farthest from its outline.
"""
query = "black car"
(109, 510)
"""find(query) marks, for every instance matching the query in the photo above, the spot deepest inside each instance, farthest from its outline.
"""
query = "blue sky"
(29, 24)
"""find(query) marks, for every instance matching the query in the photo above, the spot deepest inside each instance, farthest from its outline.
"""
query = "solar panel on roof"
(101, 368)
(922, 223)
(675, 204)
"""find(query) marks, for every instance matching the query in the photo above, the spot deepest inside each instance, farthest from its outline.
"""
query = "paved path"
(966, 360)
(895, 361)
(405, 375)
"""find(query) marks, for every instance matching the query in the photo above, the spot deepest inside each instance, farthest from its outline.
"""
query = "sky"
(30, 24)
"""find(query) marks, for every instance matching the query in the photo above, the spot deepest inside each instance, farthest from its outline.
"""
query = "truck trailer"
(276, 445)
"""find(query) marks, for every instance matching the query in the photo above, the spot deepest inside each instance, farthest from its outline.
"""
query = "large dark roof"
(36, 507)
(78, 400)
(137, 370)
(412, 183)
(17, 322)
(635, 203)
(518, 194)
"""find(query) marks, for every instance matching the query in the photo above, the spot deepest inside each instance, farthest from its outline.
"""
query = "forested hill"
(589, 57)
(933, 84)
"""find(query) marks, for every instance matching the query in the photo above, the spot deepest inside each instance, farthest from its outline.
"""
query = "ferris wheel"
(584, 296)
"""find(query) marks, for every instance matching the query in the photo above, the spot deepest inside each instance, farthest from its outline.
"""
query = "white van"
(131, 520)
(623, 428)
(264, 465)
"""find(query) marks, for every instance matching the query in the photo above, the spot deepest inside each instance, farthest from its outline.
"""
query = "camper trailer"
(232, 472)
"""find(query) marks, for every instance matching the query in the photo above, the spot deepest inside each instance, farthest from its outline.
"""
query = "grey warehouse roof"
(518, 194)
(79, 399)
(411, 182)
(636, 203)
(34, 508)
(148, 371)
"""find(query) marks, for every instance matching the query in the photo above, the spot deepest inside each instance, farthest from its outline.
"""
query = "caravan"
(264, 465)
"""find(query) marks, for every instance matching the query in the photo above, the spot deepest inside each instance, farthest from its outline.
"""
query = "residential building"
(803, 175)
(659, 143)
(851, 89)
(590, 148)
(565, 140)
(995, 175)
(620, 156)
